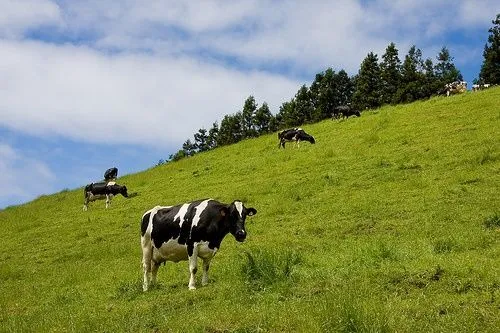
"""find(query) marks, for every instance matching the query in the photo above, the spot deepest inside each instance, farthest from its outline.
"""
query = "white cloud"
(18, 15)
(82, 94)
(21, 177)
(90, 92)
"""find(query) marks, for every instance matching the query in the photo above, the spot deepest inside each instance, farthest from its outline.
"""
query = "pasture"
(389, 223)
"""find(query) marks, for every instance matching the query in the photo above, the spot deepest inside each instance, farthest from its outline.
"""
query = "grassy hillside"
(389, 223)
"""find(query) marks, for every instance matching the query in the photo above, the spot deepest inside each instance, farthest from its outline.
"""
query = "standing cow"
(344, 111)
(294, 134)
(188, 231)
(103, 190)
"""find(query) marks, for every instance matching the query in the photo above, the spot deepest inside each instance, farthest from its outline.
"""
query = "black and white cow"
(103, 190)
(110, 174)
(344, 111)
(455, 87)
(188, 231)
(294, 134)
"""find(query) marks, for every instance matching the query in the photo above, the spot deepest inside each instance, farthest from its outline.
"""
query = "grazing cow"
(294, 134)
(110, 174)
(188, 231)
(455, 87)
(477, 87)
(103, 190)
(344, 111)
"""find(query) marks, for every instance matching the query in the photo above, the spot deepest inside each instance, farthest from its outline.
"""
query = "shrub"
(263, 268)
(493, 221)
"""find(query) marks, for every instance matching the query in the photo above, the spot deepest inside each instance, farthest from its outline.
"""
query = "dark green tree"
(322, 94)
(445, 69)
(201, 140)
(189, 148)
(412, 77)
(390, 74)
(275, 123)
(180, 154)
(262, 118)
(213, 133)
(230, 130)
(328, 90)
(431, 83)
(288, 116)
(344, 88)
(304, 107)
(247, 118)
(490, 69)
(367, 92)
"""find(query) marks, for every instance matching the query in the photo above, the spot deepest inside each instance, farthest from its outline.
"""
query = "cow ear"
(224, 211)
(251, 211)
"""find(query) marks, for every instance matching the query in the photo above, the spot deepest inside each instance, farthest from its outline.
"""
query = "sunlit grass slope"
(389, 223)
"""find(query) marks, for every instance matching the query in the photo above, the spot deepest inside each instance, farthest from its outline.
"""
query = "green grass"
(389, 223)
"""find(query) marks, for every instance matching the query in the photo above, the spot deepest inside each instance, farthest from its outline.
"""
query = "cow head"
(236, 214)
(123, 191)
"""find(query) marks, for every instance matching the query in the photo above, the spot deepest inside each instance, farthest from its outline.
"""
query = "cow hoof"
(192, 288)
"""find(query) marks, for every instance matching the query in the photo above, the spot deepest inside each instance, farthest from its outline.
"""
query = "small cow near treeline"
(102, 190)
(188, 231)
(344, 111)
(476, 87)
(455, 87)
(294, 134)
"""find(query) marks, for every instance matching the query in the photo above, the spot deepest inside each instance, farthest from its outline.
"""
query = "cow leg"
(147, 255)
(193, 267)
(108, 200)
(85, 203)
(206, 266)
(154, 271)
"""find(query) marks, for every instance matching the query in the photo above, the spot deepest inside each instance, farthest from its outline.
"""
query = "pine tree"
(230, 130)
(490, 69)
(445, 69)
(262, 118)
(201, 140)
(412, 77)
(247, 118)
(189, 148)
(180, 154)
(329, 90)
(367, 93)
(390, 73)
(344, 88)
(213, 133)
(304, 107)
(431, 83)
(288, 117)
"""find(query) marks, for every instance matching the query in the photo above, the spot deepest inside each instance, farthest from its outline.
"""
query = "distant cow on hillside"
(344, 111)
(294, 134)
(102, 190)
(188, 231)
(455, 87)
(110, 174)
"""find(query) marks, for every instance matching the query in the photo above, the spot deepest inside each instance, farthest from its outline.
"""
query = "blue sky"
(87, 85)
